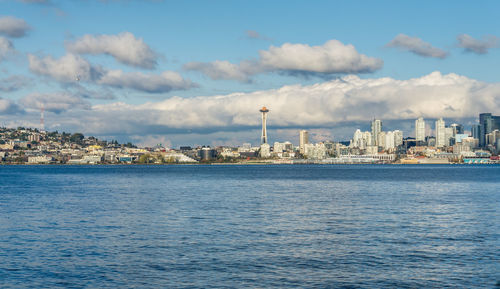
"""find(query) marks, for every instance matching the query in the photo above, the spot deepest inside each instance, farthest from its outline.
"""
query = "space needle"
(263, 138)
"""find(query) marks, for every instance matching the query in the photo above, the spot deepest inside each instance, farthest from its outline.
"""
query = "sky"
(197, 72)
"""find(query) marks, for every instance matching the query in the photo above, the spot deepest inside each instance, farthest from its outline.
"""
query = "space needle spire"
(263, 137)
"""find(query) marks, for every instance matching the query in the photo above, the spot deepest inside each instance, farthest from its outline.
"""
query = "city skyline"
(165, 78)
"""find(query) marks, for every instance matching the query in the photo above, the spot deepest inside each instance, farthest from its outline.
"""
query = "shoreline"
(253, 164)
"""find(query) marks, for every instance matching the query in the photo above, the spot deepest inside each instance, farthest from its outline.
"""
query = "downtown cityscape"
(448, 144)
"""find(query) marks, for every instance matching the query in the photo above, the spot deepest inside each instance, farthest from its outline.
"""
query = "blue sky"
(196, 72)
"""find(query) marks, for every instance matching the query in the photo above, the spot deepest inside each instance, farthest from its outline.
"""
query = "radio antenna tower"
(42, 120)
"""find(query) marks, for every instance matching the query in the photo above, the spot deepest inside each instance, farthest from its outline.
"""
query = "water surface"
(305, 226)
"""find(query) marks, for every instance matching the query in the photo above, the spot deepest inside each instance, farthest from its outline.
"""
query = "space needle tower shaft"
(263, 137)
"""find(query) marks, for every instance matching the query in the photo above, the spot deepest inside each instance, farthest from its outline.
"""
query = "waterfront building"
(229, 153)
(282, 149)
(315, 151)
(263, 138)
(376, 127)
(288, 146)
(278, 147)
(207, 153)
(265, 150)
(246, 147)
(420, 129)
(303, 140)
(440, 133)
(40, 159)
(371, 150)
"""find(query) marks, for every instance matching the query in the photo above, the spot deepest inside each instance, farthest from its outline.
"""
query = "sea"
(250, 226)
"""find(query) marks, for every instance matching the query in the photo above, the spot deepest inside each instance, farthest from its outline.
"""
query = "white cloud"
(54, 102)
(124, 47)
(333, 57)
(13, 27)
(73, 69)
(6, 48)
(69, 68)
(478, 46)
(152, 83)
(417, 46)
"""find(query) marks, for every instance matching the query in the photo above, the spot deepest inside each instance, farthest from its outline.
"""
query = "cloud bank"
(478, 46)
(13, 27)
(417, 46)
(342, 101)
(331, 58)
(124, 47)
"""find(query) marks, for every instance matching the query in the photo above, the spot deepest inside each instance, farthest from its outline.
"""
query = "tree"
(146, 159)
(77, 137)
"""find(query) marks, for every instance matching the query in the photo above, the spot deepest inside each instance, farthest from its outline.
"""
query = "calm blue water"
(300, 226)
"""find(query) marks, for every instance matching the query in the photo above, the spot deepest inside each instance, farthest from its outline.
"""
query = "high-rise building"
(381, 139)
(303, 140)
(475, 131)
(398, 138)
(263, 137)
(440, 133)
(389, 140)
(448, 136)
(367, 138)
(457, 128)
(491, 138)
(420, 129)
(376, 129)
(487, 124)
(357, 139)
